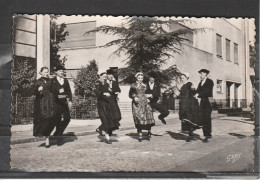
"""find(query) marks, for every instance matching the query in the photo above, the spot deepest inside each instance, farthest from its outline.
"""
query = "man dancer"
(203, 92)
(153, 92)
(63, 101)
(114, 91)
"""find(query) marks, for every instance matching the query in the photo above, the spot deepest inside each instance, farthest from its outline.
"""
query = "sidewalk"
(81, 127)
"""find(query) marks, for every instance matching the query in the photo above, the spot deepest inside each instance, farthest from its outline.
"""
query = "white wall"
(201, 55)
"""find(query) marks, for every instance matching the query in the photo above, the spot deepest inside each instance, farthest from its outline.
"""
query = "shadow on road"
(181, 136)
(240, 136)
(113, 138)
(66, 138)
(135, 136)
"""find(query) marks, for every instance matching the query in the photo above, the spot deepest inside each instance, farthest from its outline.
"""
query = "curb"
(38, 139)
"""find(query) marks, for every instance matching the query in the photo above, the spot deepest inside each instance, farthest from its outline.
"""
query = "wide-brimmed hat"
(110, 71)
(204, 70)
(59, 67)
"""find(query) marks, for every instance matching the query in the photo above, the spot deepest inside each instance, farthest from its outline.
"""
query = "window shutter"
(219, 45)
(228, 50)
(235, 53)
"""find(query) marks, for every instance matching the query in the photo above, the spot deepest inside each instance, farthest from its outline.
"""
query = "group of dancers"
(144, 98)
(54, 100)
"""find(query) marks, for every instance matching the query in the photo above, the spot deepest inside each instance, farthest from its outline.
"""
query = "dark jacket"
(56, 86)
(115, 88)
(206, 90)
(156, 92)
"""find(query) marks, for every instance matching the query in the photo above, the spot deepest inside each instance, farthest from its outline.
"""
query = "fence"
(23, 108)
(84, 108)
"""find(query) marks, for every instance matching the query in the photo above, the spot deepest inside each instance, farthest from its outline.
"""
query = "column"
(43, 41)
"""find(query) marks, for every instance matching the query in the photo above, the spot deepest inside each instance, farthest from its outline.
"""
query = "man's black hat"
(110, 71)
(59, 67)
(204, 70)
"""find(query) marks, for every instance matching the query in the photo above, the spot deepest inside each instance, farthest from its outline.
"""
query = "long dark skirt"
(115, 110)
(190, 113)
(110, 119)
(43, 122)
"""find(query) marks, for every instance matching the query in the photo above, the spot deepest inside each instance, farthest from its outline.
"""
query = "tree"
(86, 79)
(23, 73)
(252, 51)
(148, 43)
(57, 36)
(23, 76)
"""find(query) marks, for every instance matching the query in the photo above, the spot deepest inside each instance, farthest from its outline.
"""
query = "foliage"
(22, 109)
(57, 36)
(148, 43)
(162, 76)
(23, 73)
(86, 79)
(84, 108)
(252, 51)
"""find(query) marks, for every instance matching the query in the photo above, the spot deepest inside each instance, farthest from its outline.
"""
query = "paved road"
(230, 149)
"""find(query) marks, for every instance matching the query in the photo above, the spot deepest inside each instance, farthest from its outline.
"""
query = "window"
(219, 86)
(76, 37)
(219, 45)
(228, 50)
(235, 53)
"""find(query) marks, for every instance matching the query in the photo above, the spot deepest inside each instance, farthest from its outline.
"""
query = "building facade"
(222, 47)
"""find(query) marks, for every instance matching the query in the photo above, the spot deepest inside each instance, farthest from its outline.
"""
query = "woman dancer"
(142, 112)
(189, 106)
(43, 107)
(105, 105)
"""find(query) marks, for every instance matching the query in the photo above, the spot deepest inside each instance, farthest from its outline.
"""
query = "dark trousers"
(161, 108)
(62, 110)
(101, 127)
(205, 110)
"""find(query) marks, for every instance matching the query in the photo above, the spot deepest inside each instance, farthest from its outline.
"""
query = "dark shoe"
(108, 142)
(59, 142)
(162, 119)
(110, 133)
(47, 146)
(188, 139)
(99, 132)
(191, 132)
(149, 134)
(140, 138)
(205, 140)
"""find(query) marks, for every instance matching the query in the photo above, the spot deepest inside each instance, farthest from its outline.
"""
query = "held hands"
(196, 96)
(40, 88)
(61, 90)
(149, 95)
(136, 99)
(106, 94)
(70, 104)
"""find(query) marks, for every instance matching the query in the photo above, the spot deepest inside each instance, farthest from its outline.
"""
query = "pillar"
(43, 41)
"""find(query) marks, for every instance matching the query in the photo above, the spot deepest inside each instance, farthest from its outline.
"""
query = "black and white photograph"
(132, 94)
